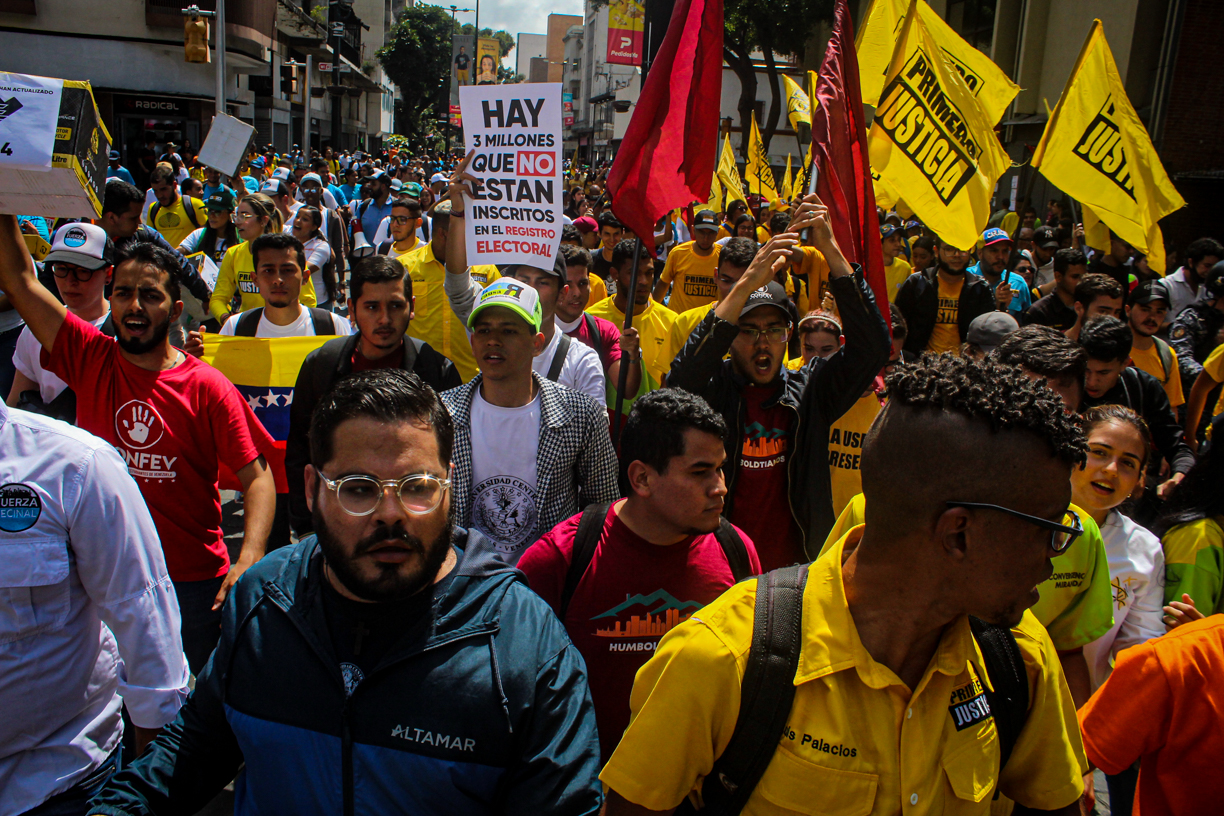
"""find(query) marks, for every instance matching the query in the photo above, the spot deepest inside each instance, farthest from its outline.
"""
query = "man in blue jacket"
(378, 668)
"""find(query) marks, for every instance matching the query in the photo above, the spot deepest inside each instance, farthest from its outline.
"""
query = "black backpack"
(768, 690)
(558, 360)
(587, 539)
(64, 406)
(248, 323)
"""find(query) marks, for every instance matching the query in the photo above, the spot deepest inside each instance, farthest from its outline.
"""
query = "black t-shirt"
(1119, 273)
(363, 633)
(462, 61)
(1050, 311)
(602, 268)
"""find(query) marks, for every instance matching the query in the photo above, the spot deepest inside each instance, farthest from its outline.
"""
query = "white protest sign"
(29, 117)
(515, 215)
(226, 144)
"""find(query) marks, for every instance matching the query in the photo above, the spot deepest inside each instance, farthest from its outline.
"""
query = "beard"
(947, 270)
(133, 345)
(390, 582)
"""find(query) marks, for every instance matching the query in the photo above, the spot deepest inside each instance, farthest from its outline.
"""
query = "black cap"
(771, 294)
(706, 219)
(1147, 291)
(1046, 238)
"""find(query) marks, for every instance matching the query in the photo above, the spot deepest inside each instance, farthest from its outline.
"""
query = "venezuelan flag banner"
(264, 372)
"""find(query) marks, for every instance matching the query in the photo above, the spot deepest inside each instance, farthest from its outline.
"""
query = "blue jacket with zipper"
(481, 708)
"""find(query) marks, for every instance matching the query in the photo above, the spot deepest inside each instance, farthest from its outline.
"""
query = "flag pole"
(630, 304)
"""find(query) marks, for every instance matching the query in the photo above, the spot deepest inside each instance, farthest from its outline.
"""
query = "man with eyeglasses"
(81, 260)
(902, 701)
(402, 226)
(383, 666)
(778, 482)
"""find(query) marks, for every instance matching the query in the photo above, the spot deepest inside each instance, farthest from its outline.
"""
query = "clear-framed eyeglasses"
(359, 495)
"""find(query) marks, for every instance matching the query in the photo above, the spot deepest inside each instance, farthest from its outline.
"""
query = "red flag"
(839, 155)
(666, 159)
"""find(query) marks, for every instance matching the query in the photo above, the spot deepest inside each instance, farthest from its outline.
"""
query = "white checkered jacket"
(575, 462)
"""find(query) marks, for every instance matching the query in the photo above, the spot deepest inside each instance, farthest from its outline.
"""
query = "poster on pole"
(488, 53)
(463, 71)
(514, 217)
(626, 22)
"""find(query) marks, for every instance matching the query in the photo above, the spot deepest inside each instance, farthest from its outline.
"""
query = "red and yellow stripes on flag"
(265, 372)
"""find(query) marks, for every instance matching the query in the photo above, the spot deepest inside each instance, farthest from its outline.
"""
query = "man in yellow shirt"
(1149, 303)
(404, 219)
(691, 266)
(653, 320)
(896, 268)
(433, 320)
(172, 214)
(940, 303)
(891, 710)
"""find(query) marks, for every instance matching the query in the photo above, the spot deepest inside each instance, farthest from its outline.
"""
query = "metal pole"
(220, 43)
(306, 97)
(630, 304)
(477, 26)
(335, 97)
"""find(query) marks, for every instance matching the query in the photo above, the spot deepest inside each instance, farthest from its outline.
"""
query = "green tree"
(505, 39)
(417, 59)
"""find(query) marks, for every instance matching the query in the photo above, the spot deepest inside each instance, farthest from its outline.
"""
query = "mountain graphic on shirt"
(660, 612)
(760, 443)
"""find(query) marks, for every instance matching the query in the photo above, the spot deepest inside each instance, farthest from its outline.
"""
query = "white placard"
(226, 144)
(515, 216)
(29, 116)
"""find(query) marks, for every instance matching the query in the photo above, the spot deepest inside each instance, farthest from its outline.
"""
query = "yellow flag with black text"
(716, 195)
(798, 106)
(758, 175)
(932, 140)
(1097, 151)
(788, 181)
(878, 36)
(729, 175)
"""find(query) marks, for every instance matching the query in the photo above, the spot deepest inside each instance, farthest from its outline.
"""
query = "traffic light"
(195, 40)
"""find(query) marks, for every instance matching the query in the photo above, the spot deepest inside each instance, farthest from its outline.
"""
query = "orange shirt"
(1164, 705)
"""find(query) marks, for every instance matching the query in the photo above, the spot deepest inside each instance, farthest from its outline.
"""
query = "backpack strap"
(1009, 702)
(189, 208)
(585, 541)
(322, 320)
(766, 694)
(558, 360)
(594, 334)
(384, 248)
(733, 548)
(1166, 358)
(153, 211)
(248, 323)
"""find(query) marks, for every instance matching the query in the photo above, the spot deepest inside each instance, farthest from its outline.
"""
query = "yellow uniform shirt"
(691, 276)
(599, 290)
(237, 274)
(814, 266)
(945, 336)
(394, 253)
(895, 274)
(1214, 366)
(654, 326)
(173, 222)
(433, 319)
(858, 741)
(763, 235)
(683, 326)
(846, 448)
(1149, 361)
(1076, 604)
(1194, 563)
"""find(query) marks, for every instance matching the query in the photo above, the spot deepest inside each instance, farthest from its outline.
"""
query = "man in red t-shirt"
(173, 418)
(607, 339)
(657, 560)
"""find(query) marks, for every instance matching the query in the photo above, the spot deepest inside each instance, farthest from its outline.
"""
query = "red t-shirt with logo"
(632, 593)
(761, 503)
(172, 428)
(609, 337)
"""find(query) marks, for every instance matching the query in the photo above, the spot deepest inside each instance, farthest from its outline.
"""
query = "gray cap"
(988, 330)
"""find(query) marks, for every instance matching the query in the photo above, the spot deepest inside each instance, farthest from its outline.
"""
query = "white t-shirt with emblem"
(504, 443)
(26, 359)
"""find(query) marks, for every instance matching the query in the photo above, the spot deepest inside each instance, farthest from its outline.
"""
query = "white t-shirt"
(504, 445)
(191, 244)
(581, 371)
(1044, 273)
(318, 253)
(26, 360)
(329, 200)
(302, 327)
(1136, 573)
(383, 233)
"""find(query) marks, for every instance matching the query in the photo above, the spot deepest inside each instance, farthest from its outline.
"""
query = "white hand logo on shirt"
(138, 425)
(138, 431)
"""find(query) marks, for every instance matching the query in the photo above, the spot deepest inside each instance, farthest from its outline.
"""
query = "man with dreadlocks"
(885, 635)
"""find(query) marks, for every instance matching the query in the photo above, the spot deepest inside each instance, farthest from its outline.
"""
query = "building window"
(973, 20)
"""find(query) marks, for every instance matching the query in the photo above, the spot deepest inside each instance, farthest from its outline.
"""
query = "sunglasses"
(1061, 535)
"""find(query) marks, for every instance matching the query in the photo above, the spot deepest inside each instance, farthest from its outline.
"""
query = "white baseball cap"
(86, 245)
(438, 177)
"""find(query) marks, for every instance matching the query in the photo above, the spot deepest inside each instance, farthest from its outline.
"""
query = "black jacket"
(1143, 394)
(818, 394)
(918, 300)
(322, 367)
(1193, 337)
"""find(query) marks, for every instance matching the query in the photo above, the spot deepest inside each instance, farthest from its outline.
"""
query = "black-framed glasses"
(359, 495)
(1061, 535)
(63, 270)
(774, 334)
(401, 220)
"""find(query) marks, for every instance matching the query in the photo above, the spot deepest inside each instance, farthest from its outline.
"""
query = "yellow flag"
(788, 181)
(729, 175)
(798, 108)
(1096, 150)
(932, 140)
(878, 36)
(758, 175)
(885, 196)
(716, 195)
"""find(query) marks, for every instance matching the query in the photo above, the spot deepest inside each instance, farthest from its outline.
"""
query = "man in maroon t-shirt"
(658, 560)
(174, 419)
(610, 344)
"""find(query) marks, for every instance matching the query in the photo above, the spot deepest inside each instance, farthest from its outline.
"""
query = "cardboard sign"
(29, 115)
(226, 144)
(515, 131)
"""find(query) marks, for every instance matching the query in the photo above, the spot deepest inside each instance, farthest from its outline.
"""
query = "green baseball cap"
(513, 295)
(220, 201)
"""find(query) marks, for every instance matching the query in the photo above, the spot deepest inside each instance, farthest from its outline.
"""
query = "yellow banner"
(1096, 150)
(885, 196)
(931, 139)
(728, 173)
(788, 181)
(878, 36)
(758, 175)
(798, 107)
(716, 195)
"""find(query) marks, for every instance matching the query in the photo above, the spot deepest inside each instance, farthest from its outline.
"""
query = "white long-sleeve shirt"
(88, 616)
(1136, 572)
